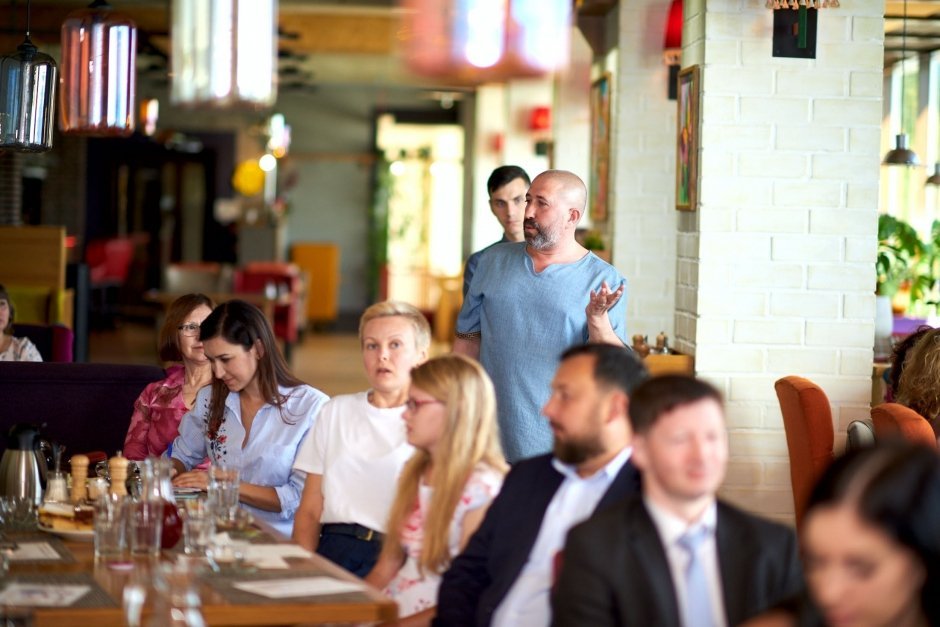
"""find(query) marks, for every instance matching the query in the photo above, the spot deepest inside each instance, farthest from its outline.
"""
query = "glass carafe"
(156, 484)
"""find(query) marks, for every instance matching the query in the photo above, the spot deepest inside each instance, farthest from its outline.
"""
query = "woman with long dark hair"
(252, 417)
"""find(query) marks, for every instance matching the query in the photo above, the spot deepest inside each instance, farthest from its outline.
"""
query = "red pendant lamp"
(672, 46)
(98, 73)
(478, 41)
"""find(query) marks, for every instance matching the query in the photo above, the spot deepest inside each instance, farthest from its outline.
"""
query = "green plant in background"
(907, 263)
(594, 241)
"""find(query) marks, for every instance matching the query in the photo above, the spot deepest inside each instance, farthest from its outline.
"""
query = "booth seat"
(86, 407)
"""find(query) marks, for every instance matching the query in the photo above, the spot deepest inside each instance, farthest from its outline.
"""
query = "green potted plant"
(905, 263)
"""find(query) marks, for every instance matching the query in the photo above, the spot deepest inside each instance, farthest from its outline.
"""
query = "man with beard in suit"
(504, 574)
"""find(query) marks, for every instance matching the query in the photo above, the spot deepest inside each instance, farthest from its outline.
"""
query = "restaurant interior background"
(771, 274)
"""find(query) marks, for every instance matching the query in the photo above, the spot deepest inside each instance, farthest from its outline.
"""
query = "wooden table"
(368, 605)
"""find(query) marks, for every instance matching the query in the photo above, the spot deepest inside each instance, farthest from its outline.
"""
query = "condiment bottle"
(117, 469)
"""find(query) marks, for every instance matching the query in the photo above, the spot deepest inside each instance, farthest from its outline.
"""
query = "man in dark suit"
(675, 555)
(504, 574)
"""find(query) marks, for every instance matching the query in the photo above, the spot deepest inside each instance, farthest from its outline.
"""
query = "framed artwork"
(687, 139)
(600, 147)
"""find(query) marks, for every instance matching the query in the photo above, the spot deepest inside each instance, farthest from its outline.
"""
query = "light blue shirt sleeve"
(189, 447)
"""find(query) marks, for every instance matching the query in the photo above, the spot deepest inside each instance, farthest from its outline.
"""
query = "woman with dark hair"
(160, 407)
(13, 348)
(252, 417)
(871, 548)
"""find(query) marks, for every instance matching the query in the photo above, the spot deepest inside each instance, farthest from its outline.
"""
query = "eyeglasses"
(190, 329)
(412, 405)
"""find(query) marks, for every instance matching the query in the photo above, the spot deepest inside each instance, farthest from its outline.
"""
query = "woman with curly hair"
(919, 385)
(446, 486)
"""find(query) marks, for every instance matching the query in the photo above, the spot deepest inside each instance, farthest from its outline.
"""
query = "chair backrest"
(807, 420)
(896, 420)
(54, 341)
(859, 434)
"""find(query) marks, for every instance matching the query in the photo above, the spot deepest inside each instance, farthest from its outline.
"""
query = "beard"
(542, 238)
(576, 451)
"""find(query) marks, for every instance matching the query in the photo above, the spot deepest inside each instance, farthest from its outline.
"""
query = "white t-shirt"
(359, 449)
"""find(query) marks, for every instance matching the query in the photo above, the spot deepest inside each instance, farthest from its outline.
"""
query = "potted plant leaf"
(904, 263)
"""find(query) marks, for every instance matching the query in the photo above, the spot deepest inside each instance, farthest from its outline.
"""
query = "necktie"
(698, 608)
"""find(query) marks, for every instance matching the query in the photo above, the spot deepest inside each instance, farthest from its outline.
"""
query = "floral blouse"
(413, 589)
(268, 456)
(21, 349)
(157, 414)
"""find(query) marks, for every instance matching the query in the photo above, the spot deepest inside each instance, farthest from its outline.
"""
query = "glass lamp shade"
(98, 84)
(478, 41)
(224, 53)
(27, 99)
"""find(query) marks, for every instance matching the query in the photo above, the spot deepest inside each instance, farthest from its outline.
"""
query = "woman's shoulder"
(484, 481)
(23, 349)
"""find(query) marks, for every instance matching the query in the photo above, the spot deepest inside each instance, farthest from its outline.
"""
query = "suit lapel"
(529, 517)
(626, 483)
(655, 568)
(733, 577)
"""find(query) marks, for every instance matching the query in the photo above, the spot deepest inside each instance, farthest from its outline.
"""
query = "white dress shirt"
(527, 601)
(670, 529)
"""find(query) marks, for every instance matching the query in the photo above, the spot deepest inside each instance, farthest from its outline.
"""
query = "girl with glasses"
(160, 407)
(447, 484)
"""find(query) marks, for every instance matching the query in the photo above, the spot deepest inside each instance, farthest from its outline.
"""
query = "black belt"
(352, 529)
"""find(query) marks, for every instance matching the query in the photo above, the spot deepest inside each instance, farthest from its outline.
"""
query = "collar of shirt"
(609, 471)
(671, 527)
(233, 400)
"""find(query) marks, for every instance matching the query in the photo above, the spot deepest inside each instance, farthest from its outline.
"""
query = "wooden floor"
(330, 362)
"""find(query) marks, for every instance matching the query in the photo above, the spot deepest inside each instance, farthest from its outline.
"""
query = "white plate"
(75, 535)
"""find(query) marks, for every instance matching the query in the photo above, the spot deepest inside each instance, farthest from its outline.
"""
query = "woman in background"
(446, 486)
(252, 417)
(13, 348)
(919, 384)
(160, 407)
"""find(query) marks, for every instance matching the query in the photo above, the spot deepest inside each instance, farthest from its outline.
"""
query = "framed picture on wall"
(687, 139)
(600, 147)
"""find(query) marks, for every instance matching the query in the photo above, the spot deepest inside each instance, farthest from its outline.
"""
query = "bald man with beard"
(528, 301)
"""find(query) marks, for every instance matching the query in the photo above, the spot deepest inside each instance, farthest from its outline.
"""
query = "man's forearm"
(467, 344)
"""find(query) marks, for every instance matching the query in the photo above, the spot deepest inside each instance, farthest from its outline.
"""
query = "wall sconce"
(540, 119)
(479, 41)
(224, 53)
(672, 47)
(99, 72)
(27, 97)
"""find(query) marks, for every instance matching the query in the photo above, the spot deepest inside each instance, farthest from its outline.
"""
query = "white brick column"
(776, 268)
(643, 164)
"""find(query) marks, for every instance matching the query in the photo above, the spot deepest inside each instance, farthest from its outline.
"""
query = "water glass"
(198, 526)
(223, 492)
(110, 526)
(145, 526)
(17, 513)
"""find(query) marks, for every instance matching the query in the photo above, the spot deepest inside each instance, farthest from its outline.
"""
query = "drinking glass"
(110, 525)
(17, 513)
(223, 492)
(198, 526)
(145, 527)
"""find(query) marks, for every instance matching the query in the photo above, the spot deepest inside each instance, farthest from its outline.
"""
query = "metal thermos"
(20, 466)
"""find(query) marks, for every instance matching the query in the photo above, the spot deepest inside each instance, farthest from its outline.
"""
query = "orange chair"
(895, 420)
(807, 420)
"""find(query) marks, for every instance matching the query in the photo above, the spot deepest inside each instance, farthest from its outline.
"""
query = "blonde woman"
(446, 486)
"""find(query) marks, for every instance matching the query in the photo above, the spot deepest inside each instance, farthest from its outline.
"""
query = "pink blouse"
(157, 414)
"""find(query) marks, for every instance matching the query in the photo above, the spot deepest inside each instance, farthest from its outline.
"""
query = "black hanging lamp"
(27, 97)
(901, 154)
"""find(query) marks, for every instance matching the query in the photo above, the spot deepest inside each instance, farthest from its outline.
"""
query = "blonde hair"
(389, 308)
(470, 439)
(918, 387)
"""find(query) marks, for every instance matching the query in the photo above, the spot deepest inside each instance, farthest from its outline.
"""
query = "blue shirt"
(526, 320)
(268, 455)
(471, 266)
(527, 601)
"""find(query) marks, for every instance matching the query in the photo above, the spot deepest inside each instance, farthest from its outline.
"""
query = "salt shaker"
(117, 469)
(79, 474)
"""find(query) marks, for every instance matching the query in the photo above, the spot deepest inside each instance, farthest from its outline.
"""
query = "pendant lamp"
(901, 154)
(98, 85)
(224, 53)
(478, 41)
(934, 179)
(27, 97)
